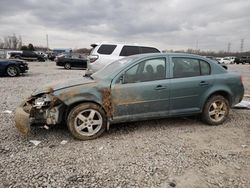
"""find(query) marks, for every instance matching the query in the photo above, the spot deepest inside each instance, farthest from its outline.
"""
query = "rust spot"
(70, 94)
(50, 89)
(106, 100)
(22, 121)
(125, 97)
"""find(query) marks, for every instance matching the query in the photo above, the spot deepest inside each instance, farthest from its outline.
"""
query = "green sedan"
(139, 87)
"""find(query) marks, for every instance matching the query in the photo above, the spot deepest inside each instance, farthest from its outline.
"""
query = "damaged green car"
(139, 87)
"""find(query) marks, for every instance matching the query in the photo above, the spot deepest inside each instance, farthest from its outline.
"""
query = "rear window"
(129, 50)
(145, 50)
(189, 67)
(106, 49)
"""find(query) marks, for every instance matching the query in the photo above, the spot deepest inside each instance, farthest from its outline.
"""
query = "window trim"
(115, 46)
(184, 57)
(140, 61)
(126, 51)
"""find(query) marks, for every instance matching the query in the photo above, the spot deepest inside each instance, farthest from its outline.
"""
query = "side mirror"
(122, 79)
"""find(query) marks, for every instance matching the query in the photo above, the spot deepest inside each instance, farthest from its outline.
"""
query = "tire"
(41, 60)
(67, 66)
(12, 71)
(87, 121)
(216, 110)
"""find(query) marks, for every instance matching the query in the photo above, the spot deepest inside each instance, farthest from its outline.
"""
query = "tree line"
(13, 42)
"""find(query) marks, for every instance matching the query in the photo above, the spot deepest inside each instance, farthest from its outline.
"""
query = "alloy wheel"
(217, 110)
(88, 122)
(12, 71)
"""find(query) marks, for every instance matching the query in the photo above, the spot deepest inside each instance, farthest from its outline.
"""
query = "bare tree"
(20, 43)
(1, 43)
(14, 42)
(7, 44)
(11, 42)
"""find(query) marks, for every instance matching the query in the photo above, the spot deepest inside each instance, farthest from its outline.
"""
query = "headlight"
(42, 101)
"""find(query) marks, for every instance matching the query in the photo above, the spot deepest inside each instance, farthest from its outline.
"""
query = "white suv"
(105, 53)
(227, 60)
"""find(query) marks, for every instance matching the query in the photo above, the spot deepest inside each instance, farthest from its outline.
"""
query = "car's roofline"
(168, 54)
(121, 43)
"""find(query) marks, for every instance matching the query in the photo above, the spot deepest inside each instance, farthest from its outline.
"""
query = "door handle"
(159, 87)
(204, 83)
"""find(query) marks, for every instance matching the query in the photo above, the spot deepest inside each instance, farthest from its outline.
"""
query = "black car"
(245, 59)
(27, 55)
(12, 67)
(68, 61)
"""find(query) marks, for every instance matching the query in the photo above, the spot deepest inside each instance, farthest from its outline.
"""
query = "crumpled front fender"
(22, 120)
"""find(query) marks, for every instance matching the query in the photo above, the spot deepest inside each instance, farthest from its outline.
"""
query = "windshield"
(112, 69)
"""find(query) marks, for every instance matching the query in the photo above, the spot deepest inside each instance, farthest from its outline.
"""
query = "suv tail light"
(93, 58)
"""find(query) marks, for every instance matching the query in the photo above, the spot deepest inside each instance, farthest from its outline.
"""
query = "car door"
(190, 80)
(73, 61)
(79, 62)
(143, 91)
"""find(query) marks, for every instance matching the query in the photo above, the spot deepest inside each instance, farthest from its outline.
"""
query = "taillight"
(93, 58)
(241, 79)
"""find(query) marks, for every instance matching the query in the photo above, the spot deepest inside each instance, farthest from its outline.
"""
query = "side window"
(145, 50)
(129, 50)
(185, 67)
(148, 70)
(205, 68)
(106, 49)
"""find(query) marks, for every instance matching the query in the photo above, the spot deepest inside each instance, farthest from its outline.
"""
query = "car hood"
(54, 86)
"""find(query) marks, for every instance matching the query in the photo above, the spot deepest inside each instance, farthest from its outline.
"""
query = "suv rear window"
(106, 49)
(149, 50)
(129, 50)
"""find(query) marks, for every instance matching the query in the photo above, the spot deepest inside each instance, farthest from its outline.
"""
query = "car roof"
(168, 54)
(120, 43)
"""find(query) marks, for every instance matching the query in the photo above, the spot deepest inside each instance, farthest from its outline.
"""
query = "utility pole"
(229, 47)
(241, 45)
(47, 40)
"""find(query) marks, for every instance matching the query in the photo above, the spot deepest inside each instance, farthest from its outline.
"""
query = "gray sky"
(166, 24)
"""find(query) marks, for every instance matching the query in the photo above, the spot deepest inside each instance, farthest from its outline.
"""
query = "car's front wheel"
(12, 71)
(87, 121)
(216, 110)
(67, 66)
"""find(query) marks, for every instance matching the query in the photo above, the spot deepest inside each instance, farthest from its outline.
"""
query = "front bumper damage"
(43, 109)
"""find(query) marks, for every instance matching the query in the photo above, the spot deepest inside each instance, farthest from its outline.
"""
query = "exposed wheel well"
(225, 94)
(70, 107)
(10, 65)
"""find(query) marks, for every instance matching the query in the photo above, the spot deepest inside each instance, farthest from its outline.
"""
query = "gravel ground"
(175, 152)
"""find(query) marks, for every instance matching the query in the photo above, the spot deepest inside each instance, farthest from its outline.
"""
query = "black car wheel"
(12, 71)
(41, 60)
(87, 121)
(18, 57)
(215, 110)
(67, 66)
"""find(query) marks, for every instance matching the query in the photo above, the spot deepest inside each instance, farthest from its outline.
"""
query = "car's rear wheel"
(12, 71)
(216, 110)
(87, 121)
(18, 57)
(67, 66)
